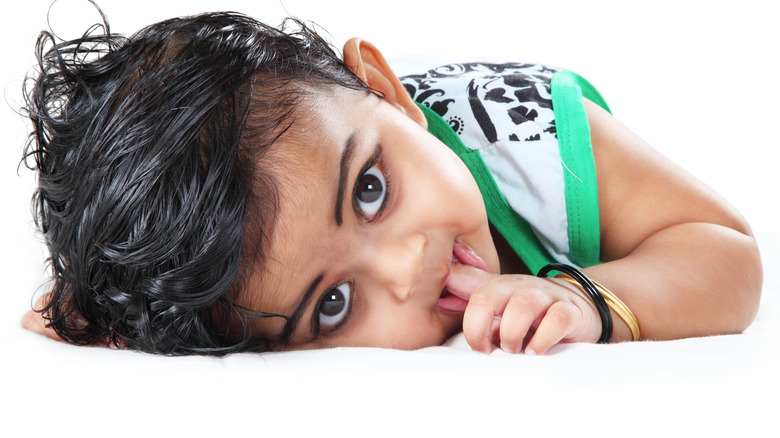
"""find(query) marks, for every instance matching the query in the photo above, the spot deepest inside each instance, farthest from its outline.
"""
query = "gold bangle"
(614, 303)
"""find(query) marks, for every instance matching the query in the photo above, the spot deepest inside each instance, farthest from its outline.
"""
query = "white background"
(699, 80)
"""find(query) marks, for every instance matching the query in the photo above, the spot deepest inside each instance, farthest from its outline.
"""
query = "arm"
(676, 253)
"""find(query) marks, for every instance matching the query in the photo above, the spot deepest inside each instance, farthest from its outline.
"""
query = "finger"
(495, 336)
(465, 279)
(478, 319)
(522, 311)
(560, 320)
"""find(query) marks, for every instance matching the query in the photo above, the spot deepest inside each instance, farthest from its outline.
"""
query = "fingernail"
(529, 352)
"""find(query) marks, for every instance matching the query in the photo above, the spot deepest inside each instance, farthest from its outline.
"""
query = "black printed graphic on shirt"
(509, 101)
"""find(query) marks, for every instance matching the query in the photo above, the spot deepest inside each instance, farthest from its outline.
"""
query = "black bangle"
(591, 290)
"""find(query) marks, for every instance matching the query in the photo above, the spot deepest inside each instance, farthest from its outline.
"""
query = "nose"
(394, 264)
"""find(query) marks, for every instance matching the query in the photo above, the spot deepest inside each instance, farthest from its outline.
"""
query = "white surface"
(698, 80)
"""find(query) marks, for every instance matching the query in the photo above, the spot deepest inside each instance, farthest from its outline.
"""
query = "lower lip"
(460, 254)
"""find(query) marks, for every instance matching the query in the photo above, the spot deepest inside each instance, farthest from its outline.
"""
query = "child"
(213, 185)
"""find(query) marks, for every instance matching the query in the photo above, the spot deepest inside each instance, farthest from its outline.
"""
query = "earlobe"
(367, 62)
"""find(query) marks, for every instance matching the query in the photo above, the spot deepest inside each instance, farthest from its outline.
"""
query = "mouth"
(461, 253)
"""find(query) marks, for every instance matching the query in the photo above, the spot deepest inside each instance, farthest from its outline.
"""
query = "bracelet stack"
(602, 297)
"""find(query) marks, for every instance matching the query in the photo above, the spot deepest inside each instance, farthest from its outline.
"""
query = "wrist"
(575, 276)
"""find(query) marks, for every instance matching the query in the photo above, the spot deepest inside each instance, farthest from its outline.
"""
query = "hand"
(504, 310)
(35, 322)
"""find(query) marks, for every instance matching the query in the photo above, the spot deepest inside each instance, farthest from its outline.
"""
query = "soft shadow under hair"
(155, 188)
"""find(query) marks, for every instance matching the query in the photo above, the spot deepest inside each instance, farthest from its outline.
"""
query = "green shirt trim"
(517, 232)
(579, 169)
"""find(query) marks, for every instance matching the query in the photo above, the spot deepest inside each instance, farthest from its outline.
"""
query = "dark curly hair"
(155, 190)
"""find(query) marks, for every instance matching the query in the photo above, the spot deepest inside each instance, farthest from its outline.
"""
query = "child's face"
(371, 207)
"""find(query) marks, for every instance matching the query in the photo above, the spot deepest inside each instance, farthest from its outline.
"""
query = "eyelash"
(375, 160)
(344, 318)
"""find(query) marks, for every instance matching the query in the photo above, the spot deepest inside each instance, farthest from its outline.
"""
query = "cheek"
(437, 167)
(456, 175)
(428, 330)
(403, 327)
(460, 199)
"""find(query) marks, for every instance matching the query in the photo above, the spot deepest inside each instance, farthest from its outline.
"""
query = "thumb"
(465, 279)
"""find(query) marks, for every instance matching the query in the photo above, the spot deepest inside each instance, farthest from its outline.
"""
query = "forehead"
(306, 168)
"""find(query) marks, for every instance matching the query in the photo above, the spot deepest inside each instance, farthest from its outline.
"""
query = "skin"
(674, 251)
(396, 259)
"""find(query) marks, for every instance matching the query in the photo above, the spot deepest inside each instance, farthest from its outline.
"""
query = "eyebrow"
(346, 160)
(295, 318)
(344, 165)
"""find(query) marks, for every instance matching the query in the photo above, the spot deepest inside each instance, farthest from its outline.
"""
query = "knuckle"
(481, 297)
(562, 314)
(525, 300)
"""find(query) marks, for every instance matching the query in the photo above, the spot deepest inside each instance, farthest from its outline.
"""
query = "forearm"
(693, 279)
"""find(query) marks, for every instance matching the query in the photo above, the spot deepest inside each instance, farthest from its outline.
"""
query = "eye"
(370, 192)
(333, 307)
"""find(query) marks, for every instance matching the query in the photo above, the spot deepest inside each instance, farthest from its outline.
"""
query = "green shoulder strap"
(579, 170)
(512, 226)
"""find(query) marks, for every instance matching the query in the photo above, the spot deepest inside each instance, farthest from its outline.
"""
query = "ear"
(367, 62)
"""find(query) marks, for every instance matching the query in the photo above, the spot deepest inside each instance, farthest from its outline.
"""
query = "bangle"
(614, 303)
(621, 309)
(593, 292)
